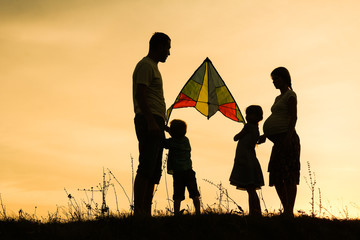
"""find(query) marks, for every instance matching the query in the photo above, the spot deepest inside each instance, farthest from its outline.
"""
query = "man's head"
(159, 47)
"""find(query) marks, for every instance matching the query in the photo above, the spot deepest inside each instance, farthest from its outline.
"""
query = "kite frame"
(209, 61)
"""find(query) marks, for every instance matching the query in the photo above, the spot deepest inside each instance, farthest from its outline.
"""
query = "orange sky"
(66, 103)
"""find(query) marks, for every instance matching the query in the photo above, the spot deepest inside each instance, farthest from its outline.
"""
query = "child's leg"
(196, 201)
(254, 202)
(193, 190)
(179, 191)
(177, 204)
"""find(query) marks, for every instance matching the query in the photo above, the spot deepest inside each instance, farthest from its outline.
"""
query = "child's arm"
(166, 143)
(261, 139)
(240, 135)
(167, 129)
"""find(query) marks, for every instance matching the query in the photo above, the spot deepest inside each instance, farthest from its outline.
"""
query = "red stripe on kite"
(184, 101)
(229, 110)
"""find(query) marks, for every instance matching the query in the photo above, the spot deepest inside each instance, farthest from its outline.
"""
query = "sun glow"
(66, 104)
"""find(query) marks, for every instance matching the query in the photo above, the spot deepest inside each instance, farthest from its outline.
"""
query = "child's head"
(177, 128)
(254, 114)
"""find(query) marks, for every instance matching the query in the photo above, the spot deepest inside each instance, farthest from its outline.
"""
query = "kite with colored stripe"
(207, 92)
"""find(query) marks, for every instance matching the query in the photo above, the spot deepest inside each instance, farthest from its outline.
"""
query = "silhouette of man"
(149, 107)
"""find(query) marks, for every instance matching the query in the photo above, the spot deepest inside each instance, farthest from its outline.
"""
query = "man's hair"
(158, 39)
(177, 128)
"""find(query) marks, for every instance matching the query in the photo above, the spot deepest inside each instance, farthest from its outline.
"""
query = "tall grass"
(322, 210)
(3, 209)
(311, 184)
(223, 196)
(88, 209)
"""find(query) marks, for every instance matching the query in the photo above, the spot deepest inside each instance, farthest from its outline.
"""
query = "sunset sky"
(66, 93)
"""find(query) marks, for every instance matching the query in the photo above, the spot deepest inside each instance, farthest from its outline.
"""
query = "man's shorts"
(184, 179)
(150, 148)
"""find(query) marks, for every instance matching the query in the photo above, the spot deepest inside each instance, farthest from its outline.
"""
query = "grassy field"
(78, 221)
(206, 226)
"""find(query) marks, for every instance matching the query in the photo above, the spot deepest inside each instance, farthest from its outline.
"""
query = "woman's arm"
(292, 110)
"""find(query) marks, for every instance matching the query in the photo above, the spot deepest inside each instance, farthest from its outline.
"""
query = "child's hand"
(240, 135)
(261, 139)
(167, 129)
(237, 137)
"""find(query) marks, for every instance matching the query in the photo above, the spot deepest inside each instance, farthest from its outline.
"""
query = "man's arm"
(141, 98)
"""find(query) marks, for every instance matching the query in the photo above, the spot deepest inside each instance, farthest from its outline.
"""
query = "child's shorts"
(184, 179)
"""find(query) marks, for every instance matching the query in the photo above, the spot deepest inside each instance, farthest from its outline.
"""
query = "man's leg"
(148, 198)
(140, 189)
(149, 169)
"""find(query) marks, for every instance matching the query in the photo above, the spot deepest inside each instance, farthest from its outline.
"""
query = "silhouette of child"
(179, 164)
(246, 173)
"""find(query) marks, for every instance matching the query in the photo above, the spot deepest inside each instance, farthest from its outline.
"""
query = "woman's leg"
(196, 201)
(291, 189)
(280, 190)
(287, 194)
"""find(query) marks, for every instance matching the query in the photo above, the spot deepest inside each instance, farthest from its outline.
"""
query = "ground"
(207, 226)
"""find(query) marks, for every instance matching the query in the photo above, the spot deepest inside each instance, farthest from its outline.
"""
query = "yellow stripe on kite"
(202, 104)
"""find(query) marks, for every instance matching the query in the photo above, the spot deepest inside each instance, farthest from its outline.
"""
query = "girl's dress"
(247, 171)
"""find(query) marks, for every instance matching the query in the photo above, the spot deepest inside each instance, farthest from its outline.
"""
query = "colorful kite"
(207, 92)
